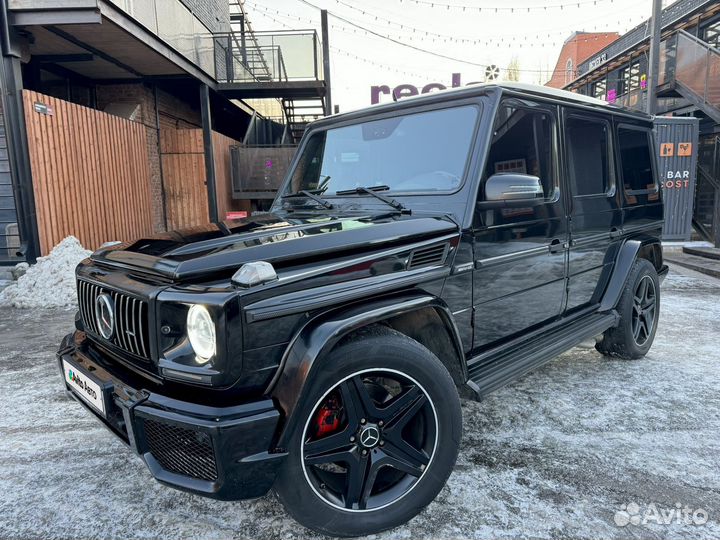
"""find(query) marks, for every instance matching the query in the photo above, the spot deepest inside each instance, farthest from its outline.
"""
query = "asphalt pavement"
(585, 447)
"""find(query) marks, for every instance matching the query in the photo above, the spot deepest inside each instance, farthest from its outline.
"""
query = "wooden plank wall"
(223, 176)
(90, 173)
(183, 166)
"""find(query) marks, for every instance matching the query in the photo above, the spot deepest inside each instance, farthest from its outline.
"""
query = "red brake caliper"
(327, 420)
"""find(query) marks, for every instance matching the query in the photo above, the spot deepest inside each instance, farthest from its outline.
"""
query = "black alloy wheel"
(639, 311)
(369, 440)
(374, 438)
(643, 317)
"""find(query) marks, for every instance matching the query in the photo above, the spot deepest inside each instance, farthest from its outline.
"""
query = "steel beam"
(326, 60)
(17, 140)
(205, 113)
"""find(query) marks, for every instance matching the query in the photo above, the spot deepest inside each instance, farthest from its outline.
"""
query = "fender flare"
(322, 333)
(627, 254)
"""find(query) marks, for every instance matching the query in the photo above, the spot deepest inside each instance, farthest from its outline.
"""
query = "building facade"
(688, 85)
(139, 102)
(577, 48)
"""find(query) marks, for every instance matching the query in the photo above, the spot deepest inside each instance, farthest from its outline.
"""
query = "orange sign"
(667, 149)
(685, 149)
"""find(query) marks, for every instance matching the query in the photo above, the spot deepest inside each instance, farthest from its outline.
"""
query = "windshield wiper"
(310, 195)
(397, 205)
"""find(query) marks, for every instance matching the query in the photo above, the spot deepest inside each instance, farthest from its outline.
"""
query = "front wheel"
(376, 439)
(639, 310)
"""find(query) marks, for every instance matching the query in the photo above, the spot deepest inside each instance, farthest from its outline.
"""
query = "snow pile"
(50, 282)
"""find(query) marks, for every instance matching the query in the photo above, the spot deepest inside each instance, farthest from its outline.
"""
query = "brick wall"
(578, 48)
(174, 113)
(215, 14)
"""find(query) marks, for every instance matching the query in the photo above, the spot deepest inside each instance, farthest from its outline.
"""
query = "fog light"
(201, 333)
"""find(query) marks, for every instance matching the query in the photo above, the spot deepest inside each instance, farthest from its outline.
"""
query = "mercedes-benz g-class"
(439, 246)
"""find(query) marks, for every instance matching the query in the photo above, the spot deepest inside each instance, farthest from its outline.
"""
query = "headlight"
(201, 332)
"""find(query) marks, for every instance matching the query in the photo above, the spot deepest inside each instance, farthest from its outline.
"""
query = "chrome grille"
(131, 318)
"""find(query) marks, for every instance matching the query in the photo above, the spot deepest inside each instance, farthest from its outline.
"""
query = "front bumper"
(219, 452)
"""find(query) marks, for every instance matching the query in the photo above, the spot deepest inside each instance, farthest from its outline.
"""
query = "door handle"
(615, 232)
(556, 246)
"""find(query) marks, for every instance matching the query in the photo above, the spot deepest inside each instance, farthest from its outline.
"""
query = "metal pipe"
(326, 61)
(163, 194)
(11, 86)
(654, 63)
(208, 150)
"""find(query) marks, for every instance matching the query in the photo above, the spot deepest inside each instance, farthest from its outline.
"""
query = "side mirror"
(513, 187)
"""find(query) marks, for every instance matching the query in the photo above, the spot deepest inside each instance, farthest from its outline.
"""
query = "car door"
(595, 213)
(520, 247)
(642, 203)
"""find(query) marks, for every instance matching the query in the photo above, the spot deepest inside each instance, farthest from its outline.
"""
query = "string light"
(425, 36)
(496, 9)
(356, 27)
(373, 13)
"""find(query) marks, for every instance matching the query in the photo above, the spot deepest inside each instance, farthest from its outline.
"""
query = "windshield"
(421, 152)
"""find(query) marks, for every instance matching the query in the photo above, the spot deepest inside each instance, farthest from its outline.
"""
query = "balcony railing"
(677, 11)
(689, 62)
(292, 55)
(697, 67)
(175, 24)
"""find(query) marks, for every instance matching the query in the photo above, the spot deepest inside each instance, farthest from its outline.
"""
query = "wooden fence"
(183, 166)
(90, 170)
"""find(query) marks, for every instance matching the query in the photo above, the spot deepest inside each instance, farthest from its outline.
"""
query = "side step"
(497, 367)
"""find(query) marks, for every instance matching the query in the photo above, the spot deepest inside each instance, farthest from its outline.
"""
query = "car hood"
(213, 249)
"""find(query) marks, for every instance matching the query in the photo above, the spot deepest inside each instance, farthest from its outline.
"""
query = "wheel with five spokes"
(639, 308)
(376, 440)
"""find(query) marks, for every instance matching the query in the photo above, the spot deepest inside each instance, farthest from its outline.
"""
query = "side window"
(588, 156)
(636, 160)
(524, 143)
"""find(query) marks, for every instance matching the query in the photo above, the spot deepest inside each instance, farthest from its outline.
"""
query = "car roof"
(451, 94)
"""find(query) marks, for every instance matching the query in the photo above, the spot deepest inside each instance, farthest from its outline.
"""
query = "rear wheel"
(376, 440)
(639, 308)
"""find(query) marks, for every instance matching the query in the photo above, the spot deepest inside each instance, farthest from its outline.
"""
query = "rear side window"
(588, 156)
(636, 160)
(524, 142)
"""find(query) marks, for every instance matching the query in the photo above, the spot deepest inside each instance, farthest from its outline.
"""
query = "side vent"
(429, 256)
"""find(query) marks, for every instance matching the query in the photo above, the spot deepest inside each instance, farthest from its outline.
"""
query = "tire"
(418, 430)
(634, 334)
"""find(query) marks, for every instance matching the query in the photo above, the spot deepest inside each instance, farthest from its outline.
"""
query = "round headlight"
(201, 332)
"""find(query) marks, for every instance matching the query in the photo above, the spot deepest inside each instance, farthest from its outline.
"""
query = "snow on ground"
(50, 282)
(573, 450)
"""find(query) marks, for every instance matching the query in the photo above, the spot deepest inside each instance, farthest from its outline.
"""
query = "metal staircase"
(706, 209)
(300, 112)
(246, 42)
(253, 66)
(693, 65)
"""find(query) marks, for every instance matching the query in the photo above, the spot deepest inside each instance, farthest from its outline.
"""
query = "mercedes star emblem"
(369, 436)
(105, 315)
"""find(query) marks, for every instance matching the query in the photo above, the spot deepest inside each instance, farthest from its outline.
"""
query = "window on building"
(635, 148)
(599, 89)
(569, 71)
(622, 86)
(711, 34)
(632, 76)
(524, 142)
(588, 156)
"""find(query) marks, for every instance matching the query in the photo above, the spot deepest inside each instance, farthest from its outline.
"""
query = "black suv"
(418, 250)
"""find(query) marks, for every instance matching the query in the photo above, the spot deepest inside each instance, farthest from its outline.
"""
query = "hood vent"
(429, 256)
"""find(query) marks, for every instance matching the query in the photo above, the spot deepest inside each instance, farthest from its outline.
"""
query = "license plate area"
(90, 389)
